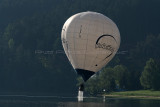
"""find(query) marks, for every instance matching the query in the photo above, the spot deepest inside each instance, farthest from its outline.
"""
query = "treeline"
(119, 78)
(32, 57)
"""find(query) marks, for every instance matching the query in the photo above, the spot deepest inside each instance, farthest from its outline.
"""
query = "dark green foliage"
(109, 79)
(103, 82)
(121, 76)
(149, 48)
(92, 86)
(151, 75)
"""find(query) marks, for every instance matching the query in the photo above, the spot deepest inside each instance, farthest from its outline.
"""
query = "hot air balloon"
(90, 40)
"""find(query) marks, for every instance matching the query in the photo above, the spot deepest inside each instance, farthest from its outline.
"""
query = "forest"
(32, 58)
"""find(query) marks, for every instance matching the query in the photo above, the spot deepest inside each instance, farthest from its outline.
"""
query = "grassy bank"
(136, 94)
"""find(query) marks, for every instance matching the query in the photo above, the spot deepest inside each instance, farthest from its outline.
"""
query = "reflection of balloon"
(90, 41)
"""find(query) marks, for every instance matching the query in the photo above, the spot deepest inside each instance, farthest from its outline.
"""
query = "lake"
(65, 101)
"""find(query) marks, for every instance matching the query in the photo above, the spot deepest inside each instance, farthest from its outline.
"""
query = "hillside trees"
(151, 75)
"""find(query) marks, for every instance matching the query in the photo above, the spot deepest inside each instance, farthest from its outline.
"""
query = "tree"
(107, 81)
(104, 80)
(150, 76)
(93, 86)
(121, 76)
(138, 56)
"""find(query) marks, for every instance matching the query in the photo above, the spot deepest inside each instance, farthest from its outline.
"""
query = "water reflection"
(57, 101)
(83, 104)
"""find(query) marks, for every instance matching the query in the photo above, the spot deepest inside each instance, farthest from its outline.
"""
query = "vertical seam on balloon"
(86, 44)
(91, 66)
(74, 45)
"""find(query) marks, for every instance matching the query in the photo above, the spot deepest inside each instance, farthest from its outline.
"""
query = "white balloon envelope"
(90, 40)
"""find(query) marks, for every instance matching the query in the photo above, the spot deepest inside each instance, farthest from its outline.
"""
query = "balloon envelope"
(90, 41)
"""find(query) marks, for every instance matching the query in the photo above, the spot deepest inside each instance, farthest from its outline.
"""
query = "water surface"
(65, 101)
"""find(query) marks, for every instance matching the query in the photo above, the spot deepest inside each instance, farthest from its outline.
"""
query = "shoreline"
(124, 96)
(141, 94)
